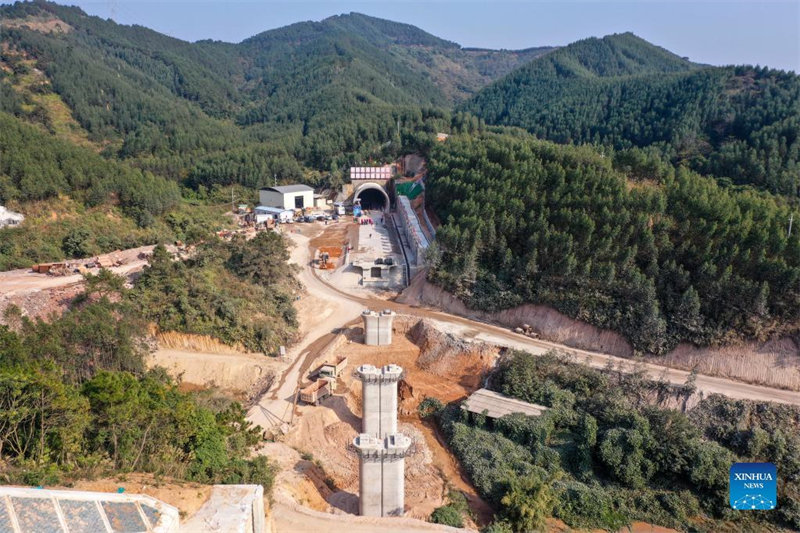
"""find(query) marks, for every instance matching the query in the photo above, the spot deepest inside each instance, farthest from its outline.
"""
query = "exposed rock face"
(546, 321)
(440, 352)
(775, 363)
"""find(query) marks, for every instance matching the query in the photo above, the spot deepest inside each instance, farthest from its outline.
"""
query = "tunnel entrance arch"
(372, 196)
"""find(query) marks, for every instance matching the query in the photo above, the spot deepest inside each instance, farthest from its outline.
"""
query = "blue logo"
(753, 486)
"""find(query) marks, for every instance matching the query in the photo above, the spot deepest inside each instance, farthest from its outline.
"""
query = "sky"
(714, 32)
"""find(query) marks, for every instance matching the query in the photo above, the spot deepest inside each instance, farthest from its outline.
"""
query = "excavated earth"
(436, 364)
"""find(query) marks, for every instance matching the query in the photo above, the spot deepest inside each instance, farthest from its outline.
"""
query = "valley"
(348, 275)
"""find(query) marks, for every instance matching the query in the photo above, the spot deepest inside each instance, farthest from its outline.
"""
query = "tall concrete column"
(390, 375)
(371, 327)
(378, 327)
(385, 327)
(380, 448)
(379, 399)
(381, 470)
(396, 447)
(370, 481)
(370, 377)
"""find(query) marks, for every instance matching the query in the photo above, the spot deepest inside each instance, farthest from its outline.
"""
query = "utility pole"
(791, 219)
(274, 180)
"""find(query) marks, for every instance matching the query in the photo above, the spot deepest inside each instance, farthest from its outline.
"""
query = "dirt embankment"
(186, 496)
(439, 351)
(775, 363)
(196, 360)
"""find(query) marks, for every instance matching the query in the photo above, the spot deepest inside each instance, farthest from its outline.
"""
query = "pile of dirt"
(441, 353)
(332, 239)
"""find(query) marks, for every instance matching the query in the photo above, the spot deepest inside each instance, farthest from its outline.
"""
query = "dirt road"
(471, 329)
(321, 311)
(290, 517)
(14, 282)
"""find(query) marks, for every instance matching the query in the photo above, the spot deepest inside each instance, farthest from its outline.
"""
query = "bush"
(498, 527)
(429, 407)
(447, 515)
(76, 243)
(581, 506)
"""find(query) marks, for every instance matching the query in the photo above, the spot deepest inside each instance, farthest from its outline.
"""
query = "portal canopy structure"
(372, 196)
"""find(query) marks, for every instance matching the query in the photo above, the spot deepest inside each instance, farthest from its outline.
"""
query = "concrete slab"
(230, 509)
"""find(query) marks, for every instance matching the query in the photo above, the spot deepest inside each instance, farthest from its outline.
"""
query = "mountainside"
(669, 259)
(740, 122)
(323, 93)
(397, 63)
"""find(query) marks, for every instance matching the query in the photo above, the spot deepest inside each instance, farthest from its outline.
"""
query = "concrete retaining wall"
(410, 226)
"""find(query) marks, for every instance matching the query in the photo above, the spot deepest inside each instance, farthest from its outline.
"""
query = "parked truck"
(330, 369)
(317, 391)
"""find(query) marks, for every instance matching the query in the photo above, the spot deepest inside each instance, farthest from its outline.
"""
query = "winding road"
(349, 306)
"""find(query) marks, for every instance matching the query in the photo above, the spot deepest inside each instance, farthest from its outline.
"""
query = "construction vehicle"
(54, 269)
(317, 391)
(330, 370)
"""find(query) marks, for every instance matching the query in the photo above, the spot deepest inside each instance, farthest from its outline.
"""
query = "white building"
(263, 213)
(287, 196)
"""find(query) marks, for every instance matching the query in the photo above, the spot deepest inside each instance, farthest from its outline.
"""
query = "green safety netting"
(411, 189)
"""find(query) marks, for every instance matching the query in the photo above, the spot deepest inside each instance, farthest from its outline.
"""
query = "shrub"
(447, 515)
(581, 506)
(429, 407)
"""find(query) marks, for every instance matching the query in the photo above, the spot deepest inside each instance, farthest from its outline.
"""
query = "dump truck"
(331, 370)
(54, 269)
(317, 391)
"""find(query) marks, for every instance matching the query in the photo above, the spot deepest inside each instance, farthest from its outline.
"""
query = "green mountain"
(675, 258)
(121, 82)
(100, 114)
(739, 122)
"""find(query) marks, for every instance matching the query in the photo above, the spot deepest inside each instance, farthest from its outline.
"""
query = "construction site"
(428, 363)
(338, 409)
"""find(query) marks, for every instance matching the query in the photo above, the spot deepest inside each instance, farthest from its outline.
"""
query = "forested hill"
(738, 122)
(398, 63)
(674, 257)
(384, 61)
(321, 93)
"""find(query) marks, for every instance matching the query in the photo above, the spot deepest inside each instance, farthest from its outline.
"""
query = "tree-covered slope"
(323, 93)
(741, 123)
(395, 62)
(616, 448)
(669, 258)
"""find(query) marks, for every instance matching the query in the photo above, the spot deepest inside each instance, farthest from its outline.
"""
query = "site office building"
(287, 196)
